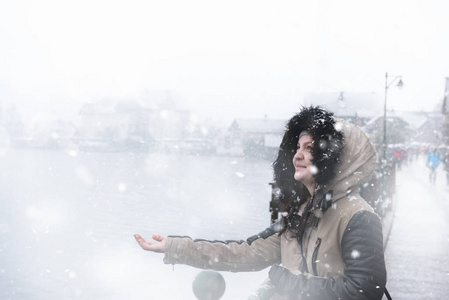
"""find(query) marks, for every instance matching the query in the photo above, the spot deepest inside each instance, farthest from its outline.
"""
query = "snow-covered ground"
(67, 223)
(418, 248)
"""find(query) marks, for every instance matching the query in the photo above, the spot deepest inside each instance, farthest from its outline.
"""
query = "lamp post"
(384, 154)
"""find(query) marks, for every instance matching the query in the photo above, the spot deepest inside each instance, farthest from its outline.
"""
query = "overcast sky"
(220, 57)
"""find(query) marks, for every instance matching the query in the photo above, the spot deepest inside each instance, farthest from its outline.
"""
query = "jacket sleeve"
(256, 253)
(365, 273)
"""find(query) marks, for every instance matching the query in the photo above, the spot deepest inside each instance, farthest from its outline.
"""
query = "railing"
(379, 191)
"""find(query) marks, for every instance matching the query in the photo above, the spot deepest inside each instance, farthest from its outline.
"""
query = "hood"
(342, 153)
(326, 149)
(357, 161)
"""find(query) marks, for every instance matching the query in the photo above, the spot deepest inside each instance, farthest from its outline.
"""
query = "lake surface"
(67, 220)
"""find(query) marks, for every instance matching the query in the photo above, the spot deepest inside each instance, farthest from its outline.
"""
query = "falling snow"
(77, 217)
(355, 254)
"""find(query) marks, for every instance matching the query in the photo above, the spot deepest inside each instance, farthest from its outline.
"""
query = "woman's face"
(302, 161)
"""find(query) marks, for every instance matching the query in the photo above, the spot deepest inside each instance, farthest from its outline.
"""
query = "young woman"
(329, 244)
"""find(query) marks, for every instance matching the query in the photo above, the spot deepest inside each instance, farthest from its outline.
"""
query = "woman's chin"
(305, 179)
(298, 176)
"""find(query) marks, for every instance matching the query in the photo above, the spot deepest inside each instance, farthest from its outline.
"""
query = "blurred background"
(123, 117)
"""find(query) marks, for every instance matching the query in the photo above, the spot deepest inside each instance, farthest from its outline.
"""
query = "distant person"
(433, 161)
(329, 243)
(398, 156)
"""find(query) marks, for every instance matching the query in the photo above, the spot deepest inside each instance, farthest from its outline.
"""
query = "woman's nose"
(299, 154)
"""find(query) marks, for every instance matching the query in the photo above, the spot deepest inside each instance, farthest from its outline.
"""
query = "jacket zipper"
(315, 255)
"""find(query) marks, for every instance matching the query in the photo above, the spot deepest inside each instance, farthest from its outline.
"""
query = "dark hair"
(326, 149)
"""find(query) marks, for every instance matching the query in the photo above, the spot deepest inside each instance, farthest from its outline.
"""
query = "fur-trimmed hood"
(326, 149)
(341, 152)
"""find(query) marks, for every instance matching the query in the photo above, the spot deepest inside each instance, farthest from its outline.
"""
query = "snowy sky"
(238, 58)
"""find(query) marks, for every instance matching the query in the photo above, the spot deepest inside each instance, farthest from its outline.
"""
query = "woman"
(330, 242)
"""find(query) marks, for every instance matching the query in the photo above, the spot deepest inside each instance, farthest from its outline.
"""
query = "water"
(67, 221)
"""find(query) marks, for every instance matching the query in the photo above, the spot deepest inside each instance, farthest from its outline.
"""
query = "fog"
(223, 60)
(121, 117)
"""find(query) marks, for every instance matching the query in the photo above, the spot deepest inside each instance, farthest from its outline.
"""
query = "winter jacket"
(433, 159)
(342, 256)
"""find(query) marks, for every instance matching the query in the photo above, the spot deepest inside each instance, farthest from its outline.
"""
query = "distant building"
(255, 137)
(116, 125)
(367, 111)
(109, 124)
(412, 130)
(357, 108)
(47, 133)
(11, 119)
(445, 112)
(431, 131)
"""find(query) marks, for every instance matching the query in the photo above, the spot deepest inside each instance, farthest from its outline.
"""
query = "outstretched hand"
(158, 246)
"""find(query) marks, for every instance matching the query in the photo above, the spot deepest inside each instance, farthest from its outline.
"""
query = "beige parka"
(322, 248)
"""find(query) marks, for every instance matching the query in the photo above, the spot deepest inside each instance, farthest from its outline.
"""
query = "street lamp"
(384, 154)
(387, 85)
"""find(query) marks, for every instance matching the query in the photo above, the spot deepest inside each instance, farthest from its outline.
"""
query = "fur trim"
(326, 149)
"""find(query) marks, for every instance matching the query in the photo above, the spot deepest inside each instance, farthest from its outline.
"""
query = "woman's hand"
(158, 246)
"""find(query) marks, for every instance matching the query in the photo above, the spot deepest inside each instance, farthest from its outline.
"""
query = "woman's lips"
(300, 167)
